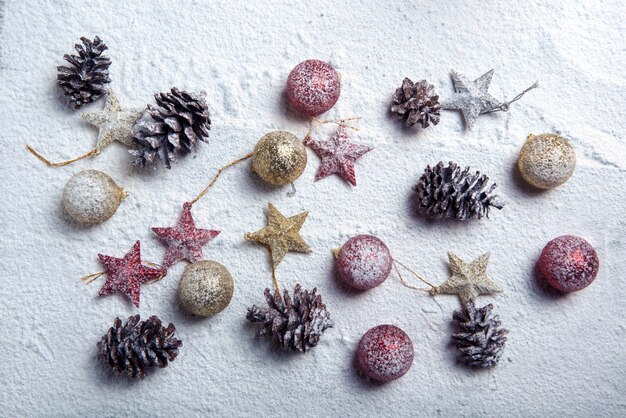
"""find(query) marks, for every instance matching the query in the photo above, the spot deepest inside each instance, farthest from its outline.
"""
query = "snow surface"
(565, 354)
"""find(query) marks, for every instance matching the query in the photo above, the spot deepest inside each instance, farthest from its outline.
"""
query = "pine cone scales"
(416, 103)
(296, 323)
(84, 82)
(449, 192)
(133, 346)
(176, 125)
(480, 340)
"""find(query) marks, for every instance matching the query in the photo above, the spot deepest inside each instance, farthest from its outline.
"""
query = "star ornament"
(472, 97)
(338, 155)
(468, 280)
(281, 234)
(184, 241)
(113, 123)
(126, 275)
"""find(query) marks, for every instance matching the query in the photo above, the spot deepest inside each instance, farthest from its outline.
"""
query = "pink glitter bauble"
(313, 87)
(385, 353)
(569, 263)
(364, 262)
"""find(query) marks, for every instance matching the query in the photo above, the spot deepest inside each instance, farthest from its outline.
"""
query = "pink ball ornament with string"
(364, 262)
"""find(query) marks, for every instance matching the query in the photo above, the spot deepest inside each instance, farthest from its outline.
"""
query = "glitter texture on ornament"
(313, 87)
(569, 263)
(337, 155)
(184, 241)
(281, 234)
(468, 280)
(205, 288)
(126, 275)
(113, 123)
(385, 353)
(364, 262)
(279, 158)
(91, 197)
(547, 160)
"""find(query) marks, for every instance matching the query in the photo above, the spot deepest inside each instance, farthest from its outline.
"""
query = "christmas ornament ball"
(385, 353)
(569, 263)
(91, 197)
(313, 87)
(364, 262)
(205, 288)
(547, 160)
(279, 158)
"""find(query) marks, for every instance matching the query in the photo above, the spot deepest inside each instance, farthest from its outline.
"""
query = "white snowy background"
(565, 354)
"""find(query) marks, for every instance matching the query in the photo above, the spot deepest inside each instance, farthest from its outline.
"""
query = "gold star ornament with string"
(281, 234)
(113, 123)
(468, 280)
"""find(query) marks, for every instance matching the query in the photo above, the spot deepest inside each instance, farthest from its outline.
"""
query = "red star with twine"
(126, 275)
(338, 155)
(184, 241)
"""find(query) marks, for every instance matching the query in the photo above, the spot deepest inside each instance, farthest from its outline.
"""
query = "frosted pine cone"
(416, 103)
(449, 192)
(296, 323)
(84, 81)
(480, 340)
(130, 348)
(179, 122)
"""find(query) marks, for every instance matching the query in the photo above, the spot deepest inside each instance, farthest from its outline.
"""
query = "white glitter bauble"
(91, 197)
(206, 288)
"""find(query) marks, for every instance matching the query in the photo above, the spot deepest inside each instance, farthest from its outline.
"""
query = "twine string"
(218, 174)
(315, 122)
(90, 278)
(62, 163)
(396, 263)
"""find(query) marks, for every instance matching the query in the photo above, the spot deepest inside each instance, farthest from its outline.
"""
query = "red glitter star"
(126, 275)
(338, 155)
(184, 241)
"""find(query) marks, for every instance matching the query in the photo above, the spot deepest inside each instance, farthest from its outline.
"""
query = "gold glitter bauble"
(279, 158)
(91, 197)
(205, 288)
(547, 160)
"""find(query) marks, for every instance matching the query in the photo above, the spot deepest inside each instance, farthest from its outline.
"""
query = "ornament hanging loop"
(504, 107)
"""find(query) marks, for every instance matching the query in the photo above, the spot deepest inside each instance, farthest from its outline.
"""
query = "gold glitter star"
(468, 280)
(113, 123)
(281, 234)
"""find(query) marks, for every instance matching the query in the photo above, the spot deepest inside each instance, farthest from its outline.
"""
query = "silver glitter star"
(468, 280)
(472, 97)
(113, 123)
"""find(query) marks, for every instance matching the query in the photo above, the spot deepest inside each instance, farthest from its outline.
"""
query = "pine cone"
(133, 346)
(416, 102)
(84, 81)
(176, 125)
(449, 192)
(296, 323)
(481, 340)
